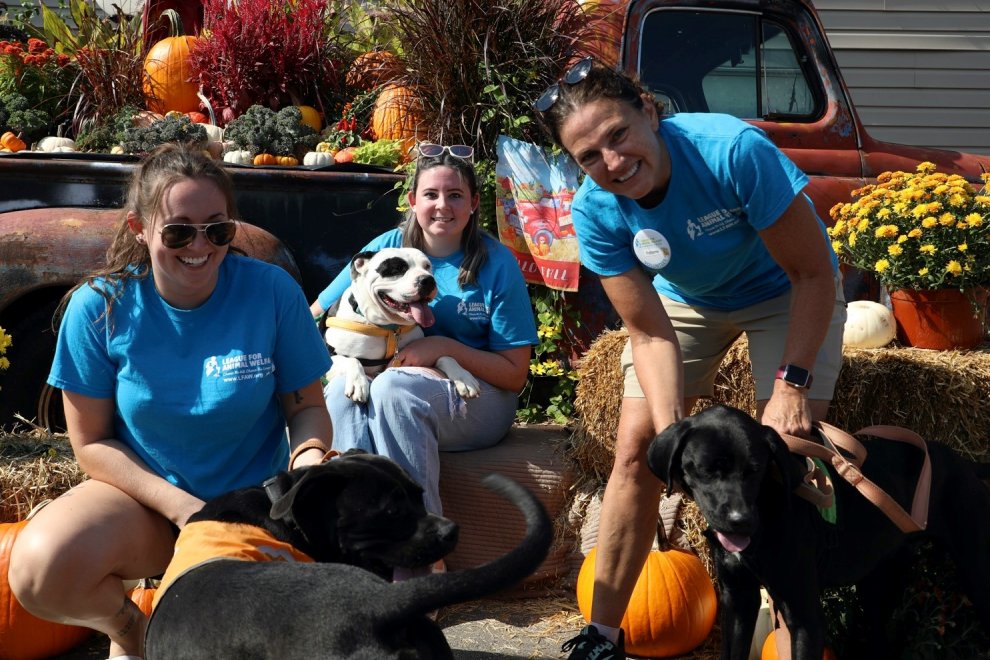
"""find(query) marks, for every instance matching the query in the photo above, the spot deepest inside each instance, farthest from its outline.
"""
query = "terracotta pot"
(943, 319)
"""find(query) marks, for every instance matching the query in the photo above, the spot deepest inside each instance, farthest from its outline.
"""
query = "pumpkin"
(311, 117)
(213, 132)
(286, 161)
(23, 635)
(55, 143)
(770, 649)
(397, 114)
(198, 117)
(326, 148)
(345, 155)
(672, 608)
(372, 69)
(11, 142)
(868, 325)
(167, 72)
(265, 159)
(238, 157)
(143, 595)
(318, 158)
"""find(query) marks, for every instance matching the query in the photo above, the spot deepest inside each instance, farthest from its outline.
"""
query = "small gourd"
(117, 149)
(265, 159)
(238, 157)
(326, 148)
(318, 158)
(143, 595)
(11, 142)
(310, 117)
(286, 161)
(770, 649)
(54, 143)
(213, 132)
(868, 325)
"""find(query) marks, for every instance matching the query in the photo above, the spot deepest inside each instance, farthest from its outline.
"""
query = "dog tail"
(431, 592)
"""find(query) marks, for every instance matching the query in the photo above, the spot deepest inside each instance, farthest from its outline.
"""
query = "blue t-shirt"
(195, 391)
(493, 314)
(701, 243)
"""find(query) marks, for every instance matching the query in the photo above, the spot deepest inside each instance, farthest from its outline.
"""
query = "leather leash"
(849, 468)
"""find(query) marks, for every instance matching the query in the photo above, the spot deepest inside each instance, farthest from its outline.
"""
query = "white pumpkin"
(868, 325)
(54, 143)
(318, 158)
(213, 133)
(238, 157)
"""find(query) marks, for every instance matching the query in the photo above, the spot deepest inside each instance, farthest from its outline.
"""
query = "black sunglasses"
(574, 75)
(429, 150)
(179, 236)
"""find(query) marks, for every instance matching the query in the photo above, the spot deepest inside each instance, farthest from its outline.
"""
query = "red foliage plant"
(268, 52)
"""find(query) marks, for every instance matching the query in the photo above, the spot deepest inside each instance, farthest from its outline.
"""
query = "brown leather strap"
(849, 469)
(390, 334)
(312, 443)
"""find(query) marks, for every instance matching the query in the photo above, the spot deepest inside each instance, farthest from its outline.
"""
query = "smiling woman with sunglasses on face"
(700, 230)
(181, 366)
(483, 319)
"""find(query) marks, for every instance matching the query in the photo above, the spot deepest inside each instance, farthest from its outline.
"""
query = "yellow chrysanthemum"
(974, 219)
(954, 268)
(886, 231)
(914, 233)
(852, 239)
(837, 246)
(928, 249)
(901, 239)
(929, 222)
(962, 247)
(946, 219)
(894, 250)
(923, 272)
(881, 265)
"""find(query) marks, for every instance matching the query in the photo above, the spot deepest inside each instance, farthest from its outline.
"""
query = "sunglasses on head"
(574, 75)
(179, 236)
(429, 150)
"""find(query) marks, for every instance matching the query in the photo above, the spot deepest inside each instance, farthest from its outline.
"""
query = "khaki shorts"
(705, 336)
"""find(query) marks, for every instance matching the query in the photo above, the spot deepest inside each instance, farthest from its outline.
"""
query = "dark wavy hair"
(472, 244)
(602, 82)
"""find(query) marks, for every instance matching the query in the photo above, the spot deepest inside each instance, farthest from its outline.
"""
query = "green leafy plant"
(17, 115)
(384, 153)
(549, 392)
(180, 129)
(261, 130)
(103, 136)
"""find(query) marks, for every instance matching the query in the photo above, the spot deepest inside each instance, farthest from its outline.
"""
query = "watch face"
(794, 375)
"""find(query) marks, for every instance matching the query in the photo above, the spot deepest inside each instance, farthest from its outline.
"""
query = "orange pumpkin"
(372, 69)
(167, 72)
(198, 117)
(672, 608)
(345, 155)
(143, 595)
(11, 142)
(311, 117)
(265, 159)
(397, 115)
(770, 649)
(24, 636)
(286, 161)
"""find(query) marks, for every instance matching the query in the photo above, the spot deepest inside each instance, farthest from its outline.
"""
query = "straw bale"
(942, 395)
(34, 467)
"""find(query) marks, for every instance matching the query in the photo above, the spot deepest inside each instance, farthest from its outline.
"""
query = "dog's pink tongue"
(733, 542)
(421, 313)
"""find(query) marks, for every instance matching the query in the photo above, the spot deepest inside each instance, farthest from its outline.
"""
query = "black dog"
(356, 516)
(742, 475)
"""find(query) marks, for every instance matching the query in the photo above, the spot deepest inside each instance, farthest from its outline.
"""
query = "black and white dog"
(385, 308)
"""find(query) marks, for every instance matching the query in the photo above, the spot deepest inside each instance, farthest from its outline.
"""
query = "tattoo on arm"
(131, 612)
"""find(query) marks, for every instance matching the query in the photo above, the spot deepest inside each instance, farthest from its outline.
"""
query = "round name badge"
(651, 248)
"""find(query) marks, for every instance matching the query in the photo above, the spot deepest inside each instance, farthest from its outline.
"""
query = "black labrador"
(742, 476)
(356, 516)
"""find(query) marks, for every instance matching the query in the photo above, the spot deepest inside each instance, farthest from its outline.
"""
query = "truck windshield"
(731, 62)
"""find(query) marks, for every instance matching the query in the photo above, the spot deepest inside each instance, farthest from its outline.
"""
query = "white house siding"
(918, 70)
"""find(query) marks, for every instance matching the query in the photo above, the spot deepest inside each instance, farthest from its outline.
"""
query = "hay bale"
(34, 467)
(942, 395)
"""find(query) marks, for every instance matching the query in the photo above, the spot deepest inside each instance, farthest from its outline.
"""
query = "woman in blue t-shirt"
(181, 366)
(483, 319)
(700, 230)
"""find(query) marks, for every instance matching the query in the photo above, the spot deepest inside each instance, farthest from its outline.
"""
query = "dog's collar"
(390, 333)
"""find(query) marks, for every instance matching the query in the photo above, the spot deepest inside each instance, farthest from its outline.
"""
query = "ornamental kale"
(261, 130)
(140, 140)
(30, 123)
(103, 137)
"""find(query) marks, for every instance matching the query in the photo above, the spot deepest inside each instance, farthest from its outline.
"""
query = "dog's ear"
(282, 505)
(359, 262)
(664, 453)
(781, 456)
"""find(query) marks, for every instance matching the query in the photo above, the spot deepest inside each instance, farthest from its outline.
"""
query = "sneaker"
(592, 645)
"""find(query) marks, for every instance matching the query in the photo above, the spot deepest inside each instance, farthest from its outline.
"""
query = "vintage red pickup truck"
(767, 61)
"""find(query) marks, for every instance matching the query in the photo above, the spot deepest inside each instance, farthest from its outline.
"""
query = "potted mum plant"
(926, 237)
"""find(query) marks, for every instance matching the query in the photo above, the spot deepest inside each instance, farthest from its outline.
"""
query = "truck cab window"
(731, 62)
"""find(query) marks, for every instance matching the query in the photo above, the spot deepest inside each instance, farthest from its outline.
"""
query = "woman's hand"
(788, 410)
(423, 352)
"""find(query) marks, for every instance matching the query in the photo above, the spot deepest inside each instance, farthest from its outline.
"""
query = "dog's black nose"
(427, 285)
